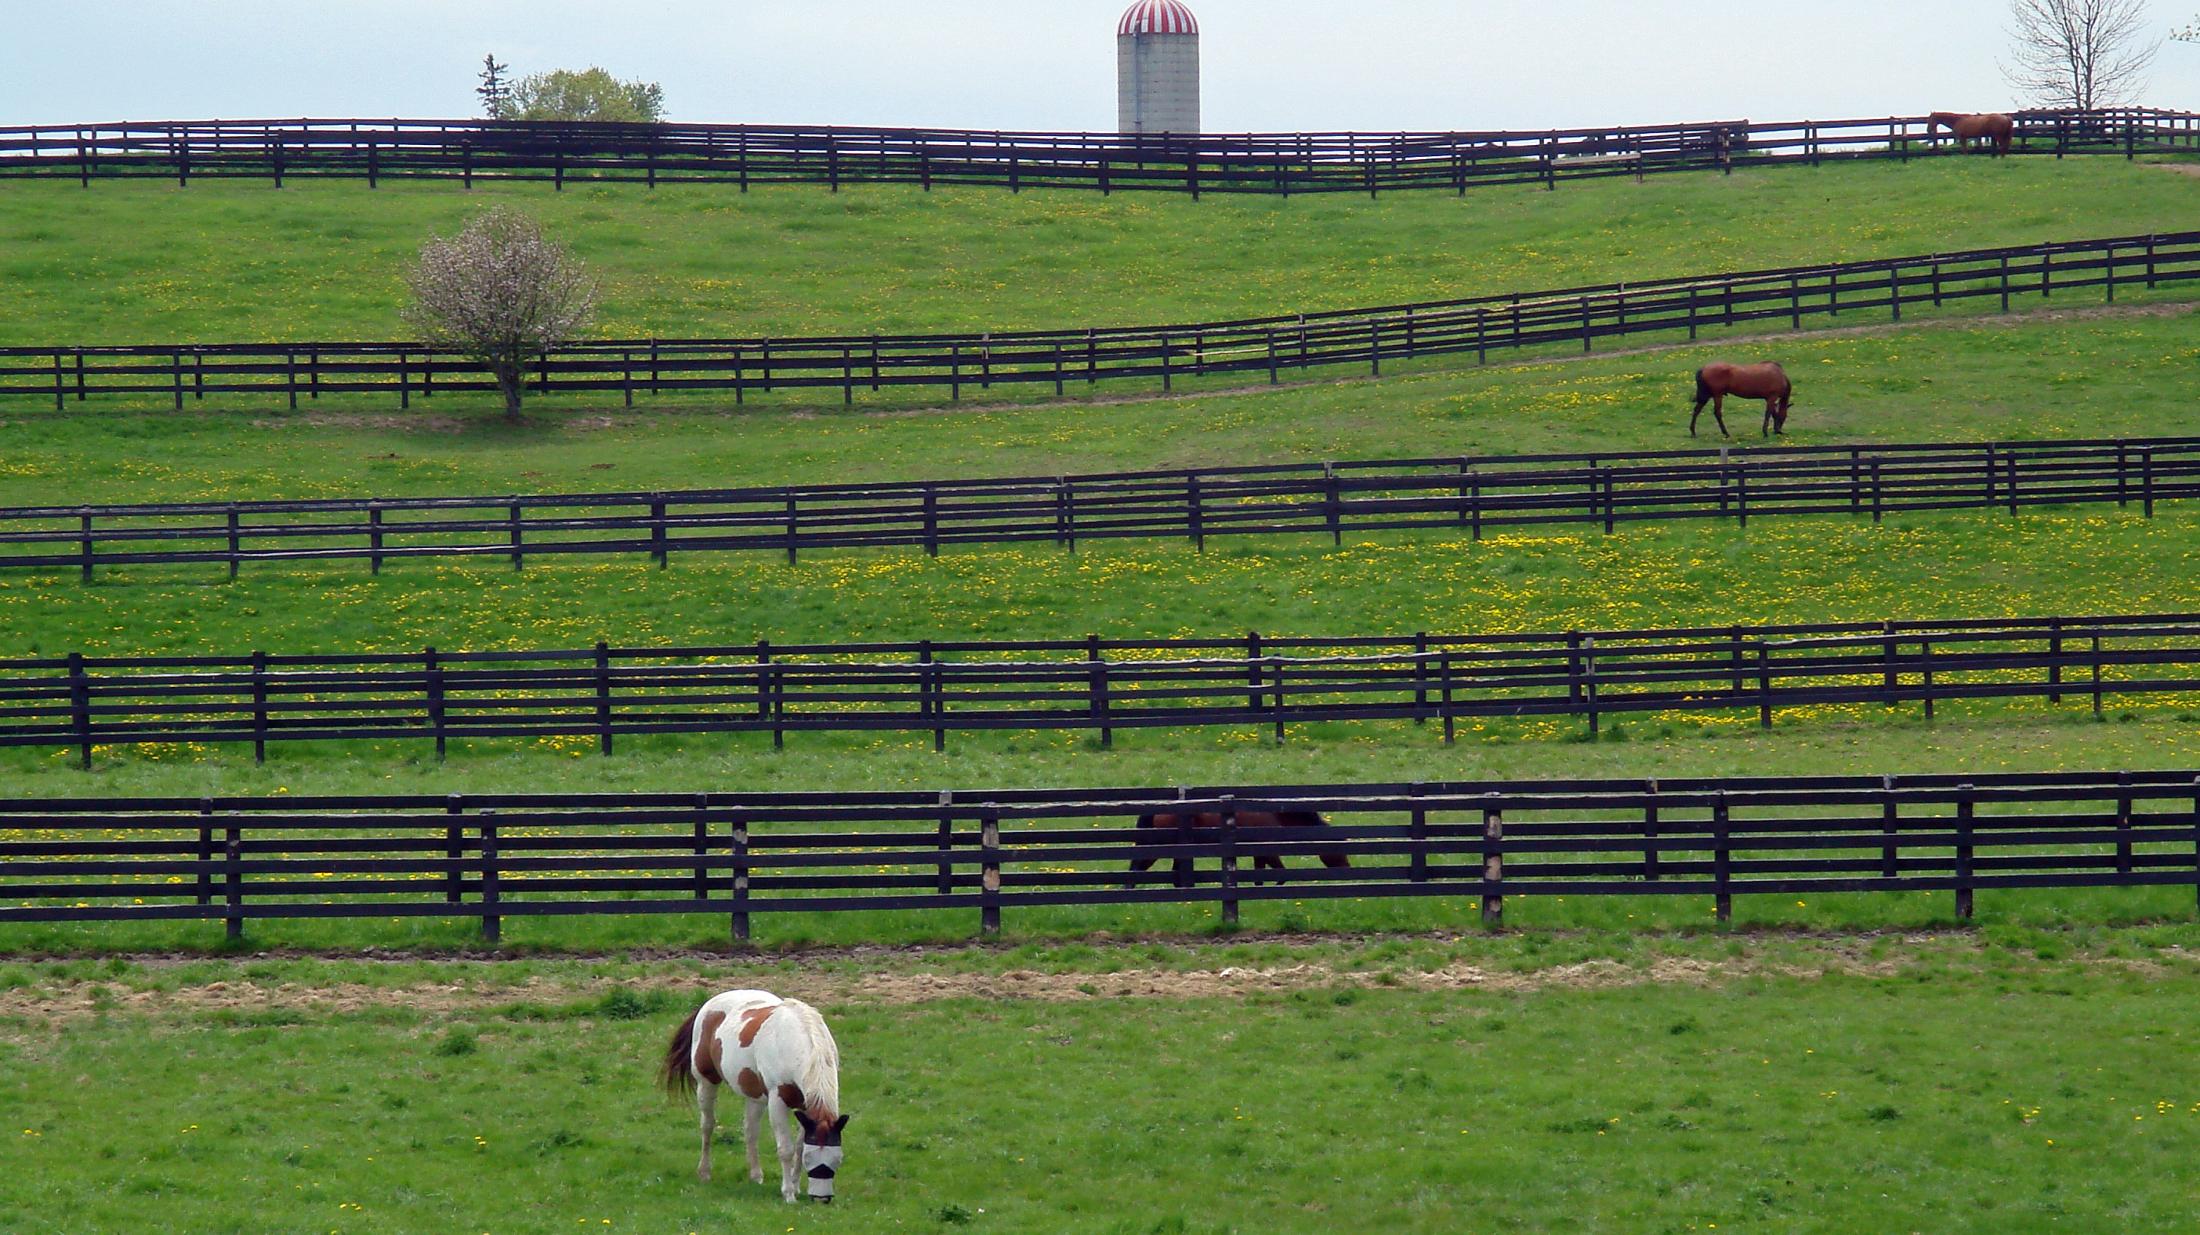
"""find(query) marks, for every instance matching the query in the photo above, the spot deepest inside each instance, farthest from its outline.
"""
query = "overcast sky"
(1035, 64)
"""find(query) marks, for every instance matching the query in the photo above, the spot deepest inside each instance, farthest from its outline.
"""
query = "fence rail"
(1267, 163)
(1090, 685)
(1265, 347)
(1466, 495)
(492, 857)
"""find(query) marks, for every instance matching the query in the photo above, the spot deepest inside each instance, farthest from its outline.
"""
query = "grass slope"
(2064, 375)
(1998, 1094)
(125, 263)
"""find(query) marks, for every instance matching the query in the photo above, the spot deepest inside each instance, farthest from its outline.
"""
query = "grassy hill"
(139, 262)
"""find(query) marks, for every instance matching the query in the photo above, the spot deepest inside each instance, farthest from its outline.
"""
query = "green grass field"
(1926, 1087)
(124, 263)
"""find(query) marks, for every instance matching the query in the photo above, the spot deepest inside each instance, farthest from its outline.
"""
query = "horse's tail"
(1703, 386)
(677, 1074)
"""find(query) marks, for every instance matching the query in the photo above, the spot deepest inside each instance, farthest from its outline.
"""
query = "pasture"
(1824, 1064)
(2014, 1084)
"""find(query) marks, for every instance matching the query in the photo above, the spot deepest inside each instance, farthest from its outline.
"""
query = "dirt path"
(485, 985)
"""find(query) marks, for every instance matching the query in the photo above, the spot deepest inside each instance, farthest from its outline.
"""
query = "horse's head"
(820, 1153)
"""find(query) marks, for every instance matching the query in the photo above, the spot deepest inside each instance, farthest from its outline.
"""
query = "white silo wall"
(1157, 83)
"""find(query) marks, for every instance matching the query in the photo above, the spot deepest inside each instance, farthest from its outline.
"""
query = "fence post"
(454, 850)
(1229, 861)
(945, 841)
(1096, 673)
(1493, 863)
(233, 880)
(702, 850)
(1650, 871)
(989, 874)
(1890, 829)
(492, 923)
(374, 538)
(84, 545)
(603, 697)
(1879, 505)
(793, 527)
(2096, 674)
(1192, 505)
(1417, 835)
(1333, 503)
(1443, 669)
(2196, 838)
(1965, 808)
(2054, 660)
(1925, 672)
(2146, 478)
(259, 707)
(659, 535)
(1764, 685)
(931, 521)
(1420, 677)
(80, 709)
(2123, 823)
(1722, 860)
(514, 521)
(433, 671)
(740, 879)
(206, 852)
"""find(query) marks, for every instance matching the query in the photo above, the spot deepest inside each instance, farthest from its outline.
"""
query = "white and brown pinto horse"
(783, 1059)
(1714, 382)
(1990, 128)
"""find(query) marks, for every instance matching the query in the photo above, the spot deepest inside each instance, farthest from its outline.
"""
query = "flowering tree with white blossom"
(501, 292)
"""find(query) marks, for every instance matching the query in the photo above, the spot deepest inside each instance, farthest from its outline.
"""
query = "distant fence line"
(493, 857)
(1090, 685)
(1252, 347)
(1466, 495)
(1267, 163)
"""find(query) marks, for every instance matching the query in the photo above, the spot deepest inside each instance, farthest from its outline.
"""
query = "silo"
(1157, 68)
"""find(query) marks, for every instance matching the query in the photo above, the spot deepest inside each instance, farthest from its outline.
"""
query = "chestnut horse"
(1984, 127)
(1332, 858)
(1714, 382)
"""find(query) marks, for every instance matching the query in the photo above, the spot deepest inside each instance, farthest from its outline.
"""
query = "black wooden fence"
(1274, 163)
(1092, 685)
(1463, 494)
(493, 857)
(1266, 347)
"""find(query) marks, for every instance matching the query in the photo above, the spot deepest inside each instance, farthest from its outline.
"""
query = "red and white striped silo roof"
(1157, 17)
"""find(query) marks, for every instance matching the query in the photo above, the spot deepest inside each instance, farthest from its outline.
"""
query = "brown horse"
(1332, 858)
(1714, 382)
(1984, 127)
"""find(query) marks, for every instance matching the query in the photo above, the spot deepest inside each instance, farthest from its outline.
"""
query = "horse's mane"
(820, 1079)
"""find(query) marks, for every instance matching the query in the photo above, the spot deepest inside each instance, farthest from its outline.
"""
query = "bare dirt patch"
(58, 1002)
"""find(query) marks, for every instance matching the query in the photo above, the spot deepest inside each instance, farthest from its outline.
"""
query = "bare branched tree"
(501, 292)
(2079, 53)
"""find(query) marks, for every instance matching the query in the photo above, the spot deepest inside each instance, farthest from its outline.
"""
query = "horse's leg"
(1766, 429)
(1268, 862)
(1139, 866)
(1698, 416)
(790, 1151)
(1718, 413)
(753, 1120)
(706, 1097)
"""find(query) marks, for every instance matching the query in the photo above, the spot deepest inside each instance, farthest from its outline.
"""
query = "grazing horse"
(1714, 382)
(781, 1057)
(1984, 127)
(1331, 858)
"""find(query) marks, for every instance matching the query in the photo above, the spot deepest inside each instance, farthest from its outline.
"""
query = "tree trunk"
(509, 382)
